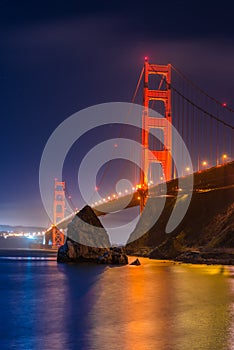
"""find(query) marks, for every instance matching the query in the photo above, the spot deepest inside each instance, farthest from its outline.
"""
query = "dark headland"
(205, 235)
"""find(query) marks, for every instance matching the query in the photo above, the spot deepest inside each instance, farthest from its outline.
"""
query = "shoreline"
(188, 257)
(200, 255)
(195, 258)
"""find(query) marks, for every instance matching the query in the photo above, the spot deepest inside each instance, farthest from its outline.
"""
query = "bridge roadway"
(219, 177)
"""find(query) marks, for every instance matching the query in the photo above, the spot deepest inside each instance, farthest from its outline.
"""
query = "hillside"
(206, 234)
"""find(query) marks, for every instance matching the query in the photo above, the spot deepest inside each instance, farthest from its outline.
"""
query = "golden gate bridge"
(203, 122)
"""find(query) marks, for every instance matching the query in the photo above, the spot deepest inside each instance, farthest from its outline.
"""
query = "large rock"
(88, 230)
(88, 241)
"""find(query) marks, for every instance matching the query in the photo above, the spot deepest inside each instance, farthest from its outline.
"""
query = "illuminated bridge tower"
(59, 212)
(163, 156)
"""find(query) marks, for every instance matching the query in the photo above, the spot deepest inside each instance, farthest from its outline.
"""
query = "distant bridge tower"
(59, 201)
(59, 212)
(162, 93)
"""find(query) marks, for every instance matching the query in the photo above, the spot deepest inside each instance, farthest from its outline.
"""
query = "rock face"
(88, 230)
(88, 241)
(114, 256)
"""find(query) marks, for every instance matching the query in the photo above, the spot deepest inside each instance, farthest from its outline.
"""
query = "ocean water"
(155, 306)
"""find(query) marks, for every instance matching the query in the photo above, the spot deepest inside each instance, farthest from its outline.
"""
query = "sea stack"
(88, 241)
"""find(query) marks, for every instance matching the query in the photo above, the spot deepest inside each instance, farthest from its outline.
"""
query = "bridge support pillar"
(58, 237)
(59, 212)
(163, 156)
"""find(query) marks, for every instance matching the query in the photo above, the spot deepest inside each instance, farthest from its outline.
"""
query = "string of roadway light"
(134, 189)
(204, 164)
(122, 193)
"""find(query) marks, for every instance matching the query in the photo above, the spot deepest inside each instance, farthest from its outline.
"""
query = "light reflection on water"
(158, 306)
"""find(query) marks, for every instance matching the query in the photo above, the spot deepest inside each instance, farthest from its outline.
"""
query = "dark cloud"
(151, 18)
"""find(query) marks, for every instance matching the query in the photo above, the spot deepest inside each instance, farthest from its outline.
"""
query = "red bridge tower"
(59, 212)
(162, 93)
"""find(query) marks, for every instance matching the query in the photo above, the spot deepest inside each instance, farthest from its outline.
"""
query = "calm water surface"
(158, 305)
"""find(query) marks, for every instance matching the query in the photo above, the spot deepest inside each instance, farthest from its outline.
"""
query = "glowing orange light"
(204, 163)
(224, 156)
(138, 198)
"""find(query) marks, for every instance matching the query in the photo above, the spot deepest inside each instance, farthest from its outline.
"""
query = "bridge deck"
(218, 177)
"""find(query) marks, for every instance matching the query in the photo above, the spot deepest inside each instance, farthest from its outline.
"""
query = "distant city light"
(204, 163)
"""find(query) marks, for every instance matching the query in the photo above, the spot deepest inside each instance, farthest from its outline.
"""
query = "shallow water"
(158, 305)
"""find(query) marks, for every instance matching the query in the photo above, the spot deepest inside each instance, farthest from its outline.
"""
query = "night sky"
(58, 57)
